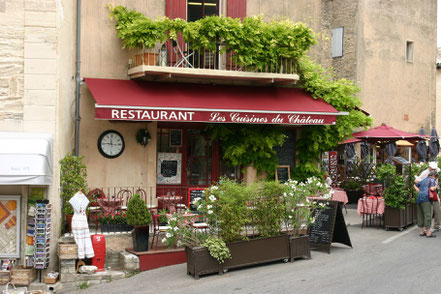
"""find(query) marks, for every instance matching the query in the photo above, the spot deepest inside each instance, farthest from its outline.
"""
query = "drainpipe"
(77, 80)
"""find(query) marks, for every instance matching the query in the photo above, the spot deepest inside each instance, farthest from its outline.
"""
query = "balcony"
(176, 62)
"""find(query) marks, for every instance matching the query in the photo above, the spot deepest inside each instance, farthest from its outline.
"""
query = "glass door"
(199, 159)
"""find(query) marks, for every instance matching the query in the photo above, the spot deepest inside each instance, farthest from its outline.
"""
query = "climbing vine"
(257, 44)
(342, 95)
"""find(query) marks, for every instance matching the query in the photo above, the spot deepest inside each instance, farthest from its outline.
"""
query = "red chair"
(94, 209)
(157, 229)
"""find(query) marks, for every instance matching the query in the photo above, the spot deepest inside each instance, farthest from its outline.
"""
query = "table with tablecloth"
(340, 196)
(370, 205)
(371, 209)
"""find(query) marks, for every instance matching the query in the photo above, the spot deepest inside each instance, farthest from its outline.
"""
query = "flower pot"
(299, 247)
(394, 218)
(150, 58)
(140, 236)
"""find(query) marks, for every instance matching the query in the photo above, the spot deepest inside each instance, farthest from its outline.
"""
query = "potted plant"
(139, 216)
(73, 178)
(396, 196)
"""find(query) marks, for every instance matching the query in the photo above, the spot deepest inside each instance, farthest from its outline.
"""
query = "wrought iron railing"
(181, 55)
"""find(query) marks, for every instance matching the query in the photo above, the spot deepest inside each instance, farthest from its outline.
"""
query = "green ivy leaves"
(256, 44)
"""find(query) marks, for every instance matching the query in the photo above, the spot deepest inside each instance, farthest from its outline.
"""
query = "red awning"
(150, 101)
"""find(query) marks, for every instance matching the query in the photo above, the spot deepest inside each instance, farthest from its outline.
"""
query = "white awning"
(26, 158)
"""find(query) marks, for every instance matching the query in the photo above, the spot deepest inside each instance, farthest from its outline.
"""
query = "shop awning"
(152, 101)
(26, 158)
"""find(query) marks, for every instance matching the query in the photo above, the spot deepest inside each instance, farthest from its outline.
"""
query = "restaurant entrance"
(188, 158)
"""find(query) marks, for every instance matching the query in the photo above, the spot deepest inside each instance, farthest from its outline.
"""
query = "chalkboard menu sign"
(329, 226)
(169, 168)
(194, 193)
(175, 138)
(283, 173)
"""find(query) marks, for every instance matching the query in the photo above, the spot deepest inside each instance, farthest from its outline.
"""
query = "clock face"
(111, 144)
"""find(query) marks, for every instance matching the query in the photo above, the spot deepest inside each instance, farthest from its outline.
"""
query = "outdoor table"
(340, 196)
(170, 202)
(369, 207)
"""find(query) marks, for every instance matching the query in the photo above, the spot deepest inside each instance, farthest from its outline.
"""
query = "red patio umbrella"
(385, 134)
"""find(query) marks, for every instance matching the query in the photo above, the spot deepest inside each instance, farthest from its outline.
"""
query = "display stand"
(42, 235)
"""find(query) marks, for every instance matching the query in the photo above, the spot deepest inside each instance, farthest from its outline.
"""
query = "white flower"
(209, 206)
(196, 200)
(290, 216)
(210, 211)
(168, 235)
(212, 198)
(164, 240)
(176, 228)
(284, 194)
(199, 207)
(214, 188)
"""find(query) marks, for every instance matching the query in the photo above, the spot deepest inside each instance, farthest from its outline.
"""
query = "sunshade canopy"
(132, 100)
(385, 134)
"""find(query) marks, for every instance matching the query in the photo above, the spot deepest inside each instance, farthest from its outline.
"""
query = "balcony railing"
(178, 59)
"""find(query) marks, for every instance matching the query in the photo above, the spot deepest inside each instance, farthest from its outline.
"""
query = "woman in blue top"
(424, 205)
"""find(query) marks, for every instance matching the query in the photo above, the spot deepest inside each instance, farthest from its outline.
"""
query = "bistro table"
(370, 207)
(170, 202)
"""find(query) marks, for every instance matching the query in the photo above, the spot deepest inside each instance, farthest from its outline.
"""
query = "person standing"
(424, 205)
(436, 209)
(433, 166)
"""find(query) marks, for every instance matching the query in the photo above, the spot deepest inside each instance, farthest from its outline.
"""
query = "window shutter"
(237, 8)
(176, 9)
(337, 42)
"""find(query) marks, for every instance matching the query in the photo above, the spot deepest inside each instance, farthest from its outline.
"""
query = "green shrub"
(137, 212)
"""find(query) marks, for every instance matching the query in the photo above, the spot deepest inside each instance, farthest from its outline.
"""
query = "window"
(198, 9)
(409, 51)
(337, 42)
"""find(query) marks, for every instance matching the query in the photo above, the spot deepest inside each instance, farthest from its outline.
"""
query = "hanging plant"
(143, 137)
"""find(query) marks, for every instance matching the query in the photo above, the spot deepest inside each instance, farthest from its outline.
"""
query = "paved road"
(380, 262)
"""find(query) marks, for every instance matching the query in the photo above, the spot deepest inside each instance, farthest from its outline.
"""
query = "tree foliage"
(73, 178)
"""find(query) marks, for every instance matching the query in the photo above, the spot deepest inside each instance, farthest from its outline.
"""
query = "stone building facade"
(37, 46)
(37, 67)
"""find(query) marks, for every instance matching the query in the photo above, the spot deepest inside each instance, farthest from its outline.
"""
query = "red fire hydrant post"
(99, 247)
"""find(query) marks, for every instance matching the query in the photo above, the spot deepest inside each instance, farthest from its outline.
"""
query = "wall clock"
(111, 144)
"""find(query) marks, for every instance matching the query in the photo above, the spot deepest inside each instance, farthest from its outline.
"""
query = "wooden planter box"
(200, 262)
(67, 250)
(23, 276)
(394, 218)
(243, 253)
(410, 216)
(4, 277)
(299, 247)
